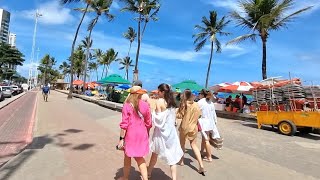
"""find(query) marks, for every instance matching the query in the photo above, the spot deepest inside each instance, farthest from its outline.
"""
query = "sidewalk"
(7, 101)
(75, 140)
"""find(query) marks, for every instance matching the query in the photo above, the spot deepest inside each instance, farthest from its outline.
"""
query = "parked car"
(15, 90)
(7, 91)
(1, 95)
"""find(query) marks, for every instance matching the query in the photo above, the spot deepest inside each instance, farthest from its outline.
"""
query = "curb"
(9, 102)
(107, 104)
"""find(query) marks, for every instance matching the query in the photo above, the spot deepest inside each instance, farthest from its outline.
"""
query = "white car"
(25, 87)
(7, 91)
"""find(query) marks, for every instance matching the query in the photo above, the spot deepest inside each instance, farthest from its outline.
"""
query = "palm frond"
(121, 68)
(92, 23)
(200, 28)
(218, 45)
(200, 37)
(68, 1)
(200, 45)
(242, 38)
(241, 21)
(283, 21)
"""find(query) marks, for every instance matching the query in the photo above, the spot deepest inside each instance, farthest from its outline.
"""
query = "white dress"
(165, 141)
(208, 120)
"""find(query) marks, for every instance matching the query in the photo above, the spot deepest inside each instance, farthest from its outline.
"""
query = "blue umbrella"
(124, 86)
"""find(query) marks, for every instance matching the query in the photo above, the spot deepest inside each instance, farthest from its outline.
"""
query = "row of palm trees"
(260, 17)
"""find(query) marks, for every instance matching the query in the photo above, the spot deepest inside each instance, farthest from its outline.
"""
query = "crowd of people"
(140, 113)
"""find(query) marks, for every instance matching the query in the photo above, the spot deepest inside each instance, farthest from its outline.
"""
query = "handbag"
(216, 143)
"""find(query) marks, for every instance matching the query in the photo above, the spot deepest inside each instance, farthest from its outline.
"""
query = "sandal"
(202, 171)
(207, 159)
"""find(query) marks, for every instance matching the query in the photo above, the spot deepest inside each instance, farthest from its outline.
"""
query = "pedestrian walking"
(189, 114)
(134, 134)
(165, 142)
(207, 123)
(45, 92)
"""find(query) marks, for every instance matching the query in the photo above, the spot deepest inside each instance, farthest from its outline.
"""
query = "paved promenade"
(75, 140)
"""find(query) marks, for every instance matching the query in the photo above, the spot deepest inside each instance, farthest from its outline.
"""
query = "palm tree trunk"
(87, 54)
(129, 48)
(127, 73)
(107, 69)
(97, 74)
(209, 65)
(104, 67)
(135, 72)
(264, 58)
(72, 51)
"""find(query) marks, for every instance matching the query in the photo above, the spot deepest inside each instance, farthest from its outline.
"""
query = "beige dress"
(188, 128)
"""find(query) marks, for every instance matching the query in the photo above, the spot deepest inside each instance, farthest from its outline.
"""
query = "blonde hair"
(134, 100)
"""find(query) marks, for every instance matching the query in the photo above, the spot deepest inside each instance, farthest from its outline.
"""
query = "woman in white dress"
(165, 142)
(207, 122)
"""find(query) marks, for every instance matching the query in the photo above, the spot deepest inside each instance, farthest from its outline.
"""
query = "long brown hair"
(168, 95)
(187, 95)
(134, 100)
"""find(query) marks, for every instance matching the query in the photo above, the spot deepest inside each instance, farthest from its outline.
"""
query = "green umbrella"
(188, 84)
(114, 78)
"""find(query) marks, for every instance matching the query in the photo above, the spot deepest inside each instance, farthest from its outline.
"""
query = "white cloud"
(119, 44)
(227, 4)
(52, 13)
(302, 4)
(115, 5)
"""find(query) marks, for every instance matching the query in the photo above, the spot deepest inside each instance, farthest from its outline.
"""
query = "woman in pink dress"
(134, 134)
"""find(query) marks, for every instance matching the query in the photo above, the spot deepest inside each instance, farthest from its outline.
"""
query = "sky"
(167, 52)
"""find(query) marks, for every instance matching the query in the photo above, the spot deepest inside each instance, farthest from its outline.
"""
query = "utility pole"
(36, 69)
(30, 83)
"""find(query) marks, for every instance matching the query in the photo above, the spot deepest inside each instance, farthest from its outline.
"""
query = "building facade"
(4, 25)
(12, 40)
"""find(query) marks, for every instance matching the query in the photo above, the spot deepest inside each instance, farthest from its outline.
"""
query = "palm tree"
(88, 2)
(99, 7)
(208, 32)
(126, 64)
(107, 59)
(147, 10)
(64, 68)
(261, 17)
(93, 66)
(98, 55)
(131, 36)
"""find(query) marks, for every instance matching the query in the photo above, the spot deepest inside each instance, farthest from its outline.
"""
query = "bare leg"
(173, 169)
(203, 144)
(152, 163)
(182, 144)
(126, 167)
(208, 150)
(142, 167)
(196, 152)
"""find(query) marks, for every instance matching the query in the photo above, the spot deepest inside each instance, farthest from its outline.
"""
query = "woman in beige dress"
(189, 113)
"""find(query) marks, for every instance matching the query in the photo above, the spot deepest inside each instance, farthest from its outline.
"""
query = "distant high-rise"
(12, 40)
(4, 25)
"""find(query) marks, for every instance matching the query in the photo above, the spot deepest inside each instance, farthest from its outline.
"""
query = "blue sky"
(167, 52)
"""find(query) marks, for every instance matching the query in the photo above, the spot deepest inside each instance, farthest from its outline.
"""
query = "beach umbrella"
(237, 87)
(114, 78)
(216, 87)
(77, 82)
(188, 84)
(124, 86)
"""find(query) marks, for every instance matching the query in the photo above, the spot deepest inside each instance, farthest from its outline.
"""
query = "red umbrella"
(237, 87)
(217, 87)
(77, 82)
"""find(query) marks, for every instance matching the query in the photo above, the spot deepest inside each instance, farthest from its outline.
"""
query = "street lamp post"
(37, 15)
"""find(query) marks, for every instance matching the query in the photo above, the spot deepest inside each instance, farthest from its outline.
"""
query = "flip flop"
(207, 160)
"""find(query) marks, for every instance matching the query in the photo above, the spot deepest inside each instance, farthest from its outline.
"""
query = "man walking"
(45, 92)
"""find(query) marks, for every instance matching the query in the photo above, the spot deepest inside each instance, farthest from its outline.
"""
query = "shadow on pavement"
(73, 130)
(8, 169)
(157, 174)
(275, 129)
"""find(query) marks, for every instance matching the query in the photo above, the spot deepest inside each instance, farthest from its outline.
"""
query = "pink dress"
(137, 138)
